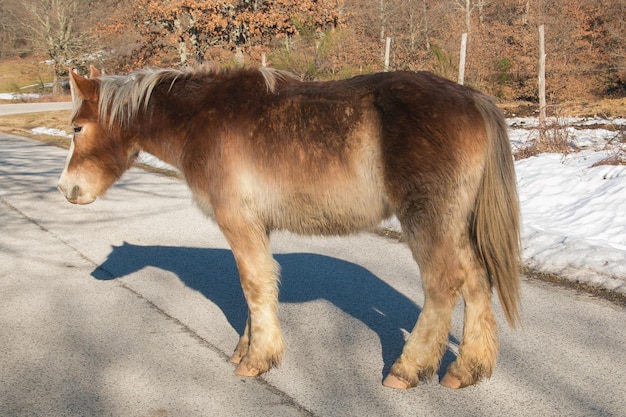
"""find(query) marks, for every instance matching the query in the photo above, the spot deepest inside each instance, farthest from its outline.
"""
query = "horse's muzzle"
(75, 196)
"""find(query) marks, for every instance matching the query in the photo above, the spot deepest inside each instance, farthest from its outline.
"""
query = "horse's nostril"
(74, 193)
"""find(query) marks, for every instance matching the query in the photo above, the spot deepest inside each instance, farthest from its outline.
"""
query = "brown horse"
(262, 151)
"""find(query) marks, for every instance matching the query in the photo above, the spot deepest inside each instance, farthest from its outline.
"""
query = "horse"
(262, 151)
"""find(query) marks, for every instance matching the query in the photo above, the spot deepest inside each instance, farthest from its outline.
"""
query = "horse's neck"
(165, 147)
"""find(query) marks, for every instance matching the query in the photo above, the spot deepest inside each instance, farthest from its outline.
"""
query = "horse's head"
(100, 152)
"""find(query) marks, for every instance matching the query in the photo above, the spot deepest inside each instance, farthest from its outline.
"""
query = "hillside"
(326, 39)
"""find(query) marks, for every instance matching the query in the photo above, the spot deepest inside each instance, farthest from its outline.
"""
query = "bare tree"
(480, 5)
(52, 25)
(7, 30)
(416, 26)
(384, 17)
(467, 7)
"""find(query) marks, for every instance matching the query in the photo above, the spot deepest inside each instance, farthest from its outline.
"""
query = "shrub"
(551, 136)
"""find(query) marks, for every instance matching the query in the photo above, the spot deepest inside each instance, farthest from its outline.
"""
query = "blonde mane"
(123, 97)
(273, 76)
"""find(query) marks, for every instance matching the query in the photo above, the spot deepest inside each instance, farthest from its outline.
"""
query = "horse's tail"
(496, 219)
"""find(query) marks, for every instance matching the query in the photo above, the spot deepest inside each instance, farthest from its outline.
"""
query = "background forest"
(326, 39)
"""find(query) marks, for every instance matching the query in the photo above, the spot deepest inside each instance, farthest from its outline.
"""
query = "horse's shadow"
(304, 277)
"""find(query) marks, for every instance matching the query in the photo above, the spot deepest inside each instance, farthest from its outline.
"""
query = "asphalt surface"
(19, 108)
(130, 307)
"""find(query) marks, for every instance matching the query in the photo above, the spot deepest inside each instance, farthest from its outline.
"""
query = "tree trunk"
(468, 15)
(383, 21)
(182, 45)
(56, 84)
(426, 26)
(525, 13)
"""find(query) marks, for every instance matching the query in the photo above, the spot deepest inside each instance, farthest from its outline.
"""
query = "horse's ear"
(83, 87)
(93, 72)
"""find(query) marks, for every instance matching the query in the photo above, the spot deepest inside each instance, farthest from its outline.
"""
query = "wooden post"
(542, 77)
(461, 79)
(263, 60)
(387, 51)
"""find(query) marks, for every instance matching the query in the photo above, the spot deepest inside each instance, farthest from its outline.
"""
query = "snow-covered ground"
(18, 96)
(573, 214)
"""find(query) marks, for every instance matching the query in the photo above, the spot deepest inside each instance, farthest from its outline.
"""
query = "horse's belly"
(329, 211)
(329, 195)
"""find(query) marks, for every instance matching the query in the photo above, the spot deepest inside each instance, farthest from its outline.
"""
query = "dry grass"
(616, 150)
(617, 158)
(21, 124)
(17, 73)
(553, 136)
(607, 107)
(602, 107)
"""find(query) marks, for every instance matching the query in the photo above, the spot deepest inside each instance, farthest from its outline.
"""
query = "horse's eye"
(77, 129)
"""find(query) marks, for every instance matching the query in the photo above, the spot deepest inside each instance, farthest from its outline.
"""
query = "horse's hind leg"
(448, 267)
(479, 346)
(442, 277)
(261, 346)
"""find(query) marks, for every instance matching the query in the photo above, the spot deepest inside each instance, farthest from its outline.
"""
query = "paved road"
(130, 307)
(17, 108)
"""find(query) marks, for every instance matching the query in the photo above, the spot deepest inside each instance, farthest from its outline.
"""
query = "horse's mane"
(122, 97)
(273, 76)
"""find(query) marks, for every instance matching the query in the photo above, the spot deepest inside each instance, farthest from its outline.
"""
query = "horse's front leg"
(242, 345)
(261, 346)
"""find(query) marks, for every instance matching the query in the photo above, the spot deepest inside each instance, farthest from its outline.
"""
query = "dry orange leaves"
(197, 25)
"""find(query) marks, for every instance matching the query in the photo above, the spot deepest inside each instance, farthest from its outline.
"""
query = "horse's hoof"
(450, 381)
(243, 370)
(392, 381)
(235, 358)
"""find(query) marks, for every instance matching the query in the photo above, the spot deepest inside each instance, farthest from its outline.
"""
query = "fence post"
(461, 79)
(542, 77)
(387, 50)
